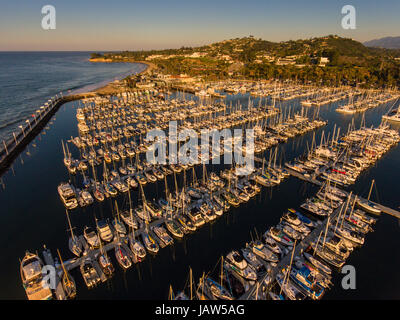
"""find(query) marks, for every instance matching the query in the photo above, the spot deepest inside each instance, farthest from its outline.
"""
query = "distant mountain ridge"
(387, 43)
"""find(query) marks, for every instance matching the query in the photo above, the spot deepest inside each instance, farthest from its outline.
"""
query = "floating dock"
(313, 179)
(11, 148)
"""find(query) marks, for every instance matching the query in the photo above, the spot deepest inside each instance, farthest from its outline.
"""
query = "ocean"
(29, 79)
(32, 214)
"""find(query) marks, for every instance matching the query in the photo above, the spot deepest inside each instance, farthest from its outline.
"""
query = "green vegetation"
(349, 61)
(96, 55)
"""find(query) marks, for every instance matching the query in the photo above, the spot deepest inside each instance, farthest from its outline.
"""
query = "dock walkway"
(312, 179)
(300, 247)
(11, 148)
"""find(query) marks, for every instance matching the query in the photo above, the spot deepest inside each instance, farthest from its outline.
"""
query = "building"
(323, 61)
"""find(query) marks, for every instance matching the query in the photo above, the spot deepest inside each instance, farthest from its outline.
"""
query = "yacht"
(32, 278)
(174, 228)
(129, 219)
(215, 290)
(279, 236)
(67, 195)
(91, 237)
(195, 216)
(253, 260)
(263, 252)
(162, 234)
(235, 262)
(368, 206)
(89, 273)
(105, 231)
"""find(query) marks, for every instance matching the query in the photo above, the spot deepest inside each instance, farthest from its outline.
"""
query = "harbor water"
(29, 79)
(32, 215)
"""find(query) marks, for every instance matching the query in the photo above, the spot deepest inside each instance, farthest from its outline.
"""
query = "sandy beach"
(111, 87)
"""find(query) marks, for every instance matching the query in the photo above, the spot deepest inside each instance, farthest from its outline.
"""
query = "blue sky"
(135, 25)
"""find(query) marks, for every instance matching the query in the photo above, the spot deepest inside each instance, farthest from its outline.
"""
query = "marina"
(285, 237)
(231, 154)
(282, 129)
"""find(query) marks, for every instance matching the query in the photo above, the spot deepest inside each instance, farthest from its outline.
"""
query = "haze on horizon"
(135, 25)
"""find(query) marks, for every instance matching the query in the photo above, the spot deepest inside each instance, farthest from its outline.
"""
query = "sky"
(112, 25)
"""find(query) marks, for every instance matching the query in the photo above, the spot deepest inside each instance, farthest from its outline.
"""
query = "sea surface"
(32, 216)
(29, 79)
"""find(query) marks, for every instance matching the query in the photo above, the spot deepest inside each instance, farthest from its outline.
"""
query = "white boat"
(393, 115)
(162, 234)
(235, 261)
(91, 237)
(105, 231)
(67, 195)
(137, 248)
(368, 206)
(263, 252)
(32, 278)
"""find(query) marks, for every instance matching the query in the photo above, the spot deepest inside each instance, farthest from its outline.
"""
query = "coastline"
(111, 88)
(13, 146)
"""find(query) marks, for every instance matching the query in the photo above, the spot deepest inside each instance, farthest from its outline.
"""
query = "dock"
(313, 179)
(92, 254)
(314, 235)
(10, 149)
(299, 248)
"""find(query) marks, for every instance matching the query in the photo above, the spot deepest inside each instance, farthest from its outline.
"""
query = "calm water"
(29, 79)
(32, 215)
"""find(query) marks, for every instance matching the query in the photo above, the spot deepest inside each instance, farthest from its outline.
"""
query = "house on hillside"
(323, 61)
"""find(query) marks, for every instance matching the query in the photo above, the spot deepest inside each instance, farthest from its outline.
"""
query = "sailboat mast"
(370, 190)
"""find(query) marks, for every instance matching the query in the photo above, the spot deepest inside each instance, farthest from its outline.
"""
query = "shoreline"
(14, 145)
(110, 88)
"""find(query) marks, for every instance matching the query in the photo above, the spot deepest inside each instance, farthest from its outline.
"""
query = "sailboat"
(68, 281)
(392, 115)
(150, 243)
(117, 224)
(73, 243)
(122, 257)
(136, 247)
(368, 205)
(127, 215)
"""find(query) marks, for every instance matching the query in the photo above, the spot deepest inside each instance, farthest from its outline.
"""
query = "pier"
(313, 179)
(92, 254)
(11, 148)
(313, 236)
(300, 247)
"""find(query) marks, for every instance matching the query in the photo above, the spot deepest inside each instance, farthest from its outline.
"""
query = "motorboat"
(105, 231)
(67, 195)
(32, 278)
(235, 262)
(91, 237)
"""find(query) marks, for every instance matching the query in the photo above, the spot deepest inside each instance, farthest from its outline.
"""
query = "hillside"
(387, 42)
(329, 60)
